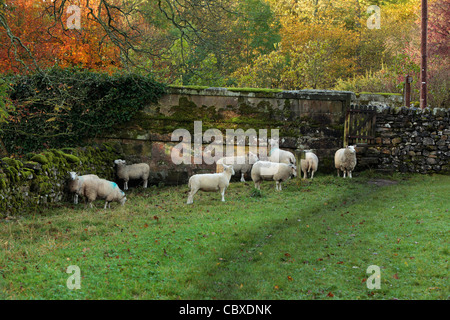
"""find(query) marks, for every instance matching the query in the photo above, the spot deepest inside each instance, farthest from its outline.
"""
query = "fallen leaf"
(290, 278)
(395, 276)
(330, 295)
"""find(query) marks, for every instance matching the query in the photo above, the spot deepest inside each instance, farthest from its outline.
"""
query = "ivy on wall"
(65, 107)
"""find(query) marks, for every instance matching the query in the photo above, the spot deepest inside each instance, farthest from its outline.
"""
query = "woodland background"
(48, 71)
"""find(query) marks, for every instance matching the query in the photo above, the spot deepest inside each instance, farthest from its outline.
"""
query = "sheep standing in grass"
(241, 164)
(103, 189)
(281, 156)
(278, 172)
(345, 160)
(132, 172)
(210, 182)
(76, 183)
(309, 164)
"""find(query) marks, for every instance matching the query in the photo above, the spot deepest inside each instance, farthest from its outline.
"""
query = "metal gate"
(359, 126)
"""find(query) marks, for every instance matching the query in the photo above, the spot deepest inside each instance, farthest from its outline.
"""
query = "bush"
(65, 107)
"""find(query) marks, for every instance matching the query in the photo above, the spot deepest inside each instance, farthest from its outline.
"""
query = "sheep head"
(252, 158)
(352, 148)
(119, 162)
(228, 169)
(293, 170)
(122, 200)
(73, 175)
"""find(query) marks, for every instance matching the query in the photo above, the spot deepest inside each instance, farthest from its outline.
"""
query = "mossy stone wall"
(409, 140)
(32, 182)
(306, 119)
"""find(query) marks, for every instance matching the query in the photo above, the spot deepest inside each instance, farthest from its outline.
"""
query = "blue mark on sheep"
(113, 184)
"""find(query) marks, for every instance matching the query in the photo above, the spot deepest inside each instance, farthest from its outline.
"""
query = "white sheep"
(100, 188)
(132, 172)
(345, 160)
(210, 182)
(241, 164)
(278, 172)
(309, 164)
(279, 155)
(76, 182)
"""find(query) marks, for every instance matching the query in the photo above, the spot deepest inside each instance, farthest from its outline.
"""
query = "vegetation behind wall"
(63, 107)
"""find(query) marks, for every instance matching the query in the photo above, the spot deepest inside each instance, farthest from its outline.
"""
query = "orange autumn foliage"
(50, 42)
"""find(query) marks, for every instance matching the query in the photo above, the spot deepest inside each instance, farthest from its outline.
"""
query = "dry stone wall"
(409, 140)
(33, 182)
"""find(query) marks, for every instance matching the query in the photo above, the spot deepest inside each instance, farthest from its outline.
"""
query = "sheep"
(104, 189)
(345, 160)
(132, 172)
(76, 182)
(309, 164)
(281, 156)
(278, 172)
(210, 182)
(242, 164)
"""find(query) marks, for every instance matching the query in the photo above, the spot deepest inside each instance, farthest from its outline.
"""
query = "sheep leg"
(222, 192)
(75, 199)
(242, 177)
(312, 174)
(106, 204)
(279, 185)
(125, 185)
(191, 196)
(338, 173)
(345, 171)
(145, 183)
(304, 175)
(350, 174)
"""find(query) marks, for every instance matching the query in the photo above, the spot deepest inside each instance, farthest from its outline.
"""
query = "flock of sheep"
(279, 167)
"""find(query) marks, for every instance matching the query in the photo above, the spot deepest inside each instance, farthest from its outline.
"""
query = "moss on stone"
(12, 162)
(71, 158)
(40, 158)
(26, 173)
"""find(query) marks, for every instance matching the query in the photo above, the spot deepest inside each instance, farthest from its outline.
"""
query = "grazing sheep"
(278, 172)
(345, 160)
(281, 156)
(103, 189)
(242, 164)
(76, 182)
(309, 164)
(210, 182)
(132, 172)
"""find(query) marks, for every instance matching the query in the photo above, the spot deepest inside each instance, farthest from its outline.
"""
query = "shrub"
(65, 107)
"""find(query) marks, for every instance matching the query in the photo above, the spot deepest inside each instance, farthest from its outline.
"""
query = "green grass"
(313, 240)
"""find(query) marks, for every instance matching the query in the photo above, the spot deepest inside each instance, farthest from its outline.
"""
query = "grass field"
(313, 240)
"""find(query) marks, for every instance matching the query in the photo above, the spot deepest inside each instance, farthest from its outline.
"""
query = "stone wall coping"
(309, 94)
